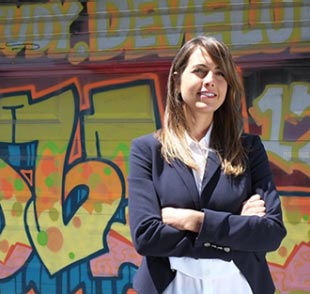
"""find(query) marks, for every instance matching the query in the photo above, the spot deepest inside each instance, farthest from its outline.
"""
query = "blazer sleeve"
(151, 237)
(249, 233)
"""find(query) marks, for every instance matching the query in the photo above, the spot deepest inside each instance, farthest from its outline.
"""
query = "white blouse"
(212, 276)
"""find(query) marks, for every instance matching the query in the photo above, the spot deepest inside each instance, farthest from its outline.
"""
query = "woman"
(203, 208)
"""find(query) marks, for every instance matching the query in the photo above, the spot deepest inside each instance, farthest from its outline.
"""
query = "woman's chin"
(200, 104)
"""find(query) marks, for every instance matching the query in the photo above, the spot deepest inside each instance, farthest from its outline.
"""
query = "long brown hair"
(227, 121)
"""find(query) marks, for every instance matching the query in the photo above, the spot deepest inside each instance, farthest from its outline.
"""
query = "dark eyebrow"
(201, 65)
(205, 66)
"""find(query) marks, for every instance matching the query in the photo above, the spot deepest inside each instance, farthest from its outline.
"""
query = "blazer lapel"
(213, 164)
(187, 176)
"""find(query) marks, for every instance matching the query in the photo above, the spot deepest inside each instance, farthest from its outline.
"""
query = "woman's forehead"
(200, 56)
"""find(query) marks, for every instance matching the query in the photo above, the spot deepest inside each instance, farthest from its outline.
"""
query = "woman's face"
(203, 86)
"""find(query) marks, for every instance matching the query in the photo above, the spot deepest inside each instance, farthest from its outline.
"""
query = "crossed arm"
(191, 220)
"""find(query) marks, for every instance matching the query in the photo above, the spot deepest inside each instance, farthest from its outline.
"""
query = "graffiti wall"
(80, 79)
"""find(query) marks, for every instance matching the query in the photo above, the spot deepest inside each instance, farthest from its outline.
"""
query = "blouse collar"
(204, 143)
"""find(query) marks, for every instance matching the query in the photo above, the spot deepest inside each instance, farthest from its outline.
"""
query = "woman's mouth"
(207, 94)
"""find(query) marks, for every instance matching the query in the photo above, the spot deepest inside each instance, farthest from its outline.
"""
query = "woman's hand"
(254, 206)
(182, 219)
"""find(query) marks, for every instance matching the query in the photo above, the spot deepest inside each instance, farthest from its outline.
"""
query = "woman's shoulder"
(150, 137)
(251, 142)
(248, 138)
(147, 140)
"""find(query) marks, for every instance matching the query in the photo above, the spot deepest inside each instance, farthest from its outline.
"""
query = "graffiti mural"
(80, 79)
(280, 114)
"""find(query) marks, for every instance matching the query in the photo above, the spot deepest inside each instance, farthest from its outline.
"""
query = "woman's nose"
(209, 79)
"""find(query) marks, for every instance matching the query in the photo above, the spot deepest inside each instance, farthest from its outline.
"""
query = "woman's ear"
(176, 79)
(176, 75)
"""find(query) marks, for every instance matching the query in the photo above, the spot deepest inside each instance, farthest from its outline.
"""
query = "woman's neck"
(199, 128)
(197, 123)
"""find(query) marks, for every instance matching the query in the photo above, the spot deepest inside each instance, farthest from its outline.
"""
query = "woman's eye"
(220, 73)
(200, 71)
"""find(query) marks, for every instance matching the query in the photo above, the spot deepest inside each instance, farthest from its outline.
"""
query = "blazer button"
(227, 249)
(206, 244)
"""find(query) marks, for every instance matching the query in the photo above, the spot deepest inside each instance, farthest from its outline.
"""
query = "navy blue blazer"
(225, 234)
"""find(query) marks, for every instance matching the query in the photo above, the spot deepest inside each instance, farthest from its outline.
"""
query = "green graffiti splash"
(54, 214)
(107, 171)
(17, 209)
(42, 238)
(19, 184)
(98, 207)
(49, 182)
(71, 255)
(294, 217)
